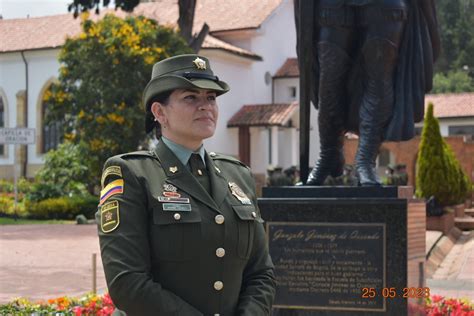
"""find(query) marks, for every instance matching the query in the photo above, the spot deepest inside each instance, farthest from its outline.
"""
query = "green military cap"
(180, 72)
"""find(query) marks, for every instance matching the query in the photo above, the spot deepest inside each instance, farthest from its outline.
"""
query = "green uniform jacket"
(184, 262)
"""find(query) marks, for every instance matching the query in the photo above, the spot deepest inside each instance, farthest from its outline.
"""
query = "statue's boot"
(376, 108)
(334, 66)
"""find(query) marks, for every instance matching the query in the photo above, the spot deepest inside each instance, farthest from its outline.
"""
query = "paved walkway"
(455, 276)
(48, 261)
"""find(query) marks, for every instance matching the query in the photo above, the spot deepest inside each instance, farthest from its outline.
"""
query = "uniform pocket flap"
(161, 217)
(245, 212)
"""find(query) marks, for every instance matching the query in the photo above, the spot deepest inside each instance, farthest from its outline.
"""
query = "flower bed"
(92, 304)
(89, 305)
(437, 305)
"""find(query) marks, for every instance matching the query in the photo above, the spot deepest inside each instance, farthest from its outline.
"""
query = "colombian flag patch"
(114, 187)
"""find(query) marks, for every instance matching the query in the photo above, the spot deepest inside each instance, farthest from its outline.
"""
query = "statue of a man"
(372, 64)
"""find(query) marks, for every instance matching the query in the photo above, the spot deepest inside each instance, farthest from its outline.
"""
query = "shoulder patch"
(113, 188)
(216, 156)
(109, 216)
(109, 171)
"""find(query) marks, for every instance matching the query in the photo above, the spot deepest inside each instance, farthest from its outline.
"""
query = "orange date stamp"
(392, 292)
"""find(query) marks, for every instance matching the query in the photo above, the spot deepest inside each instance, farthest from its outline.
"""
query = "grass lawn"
(21, 221)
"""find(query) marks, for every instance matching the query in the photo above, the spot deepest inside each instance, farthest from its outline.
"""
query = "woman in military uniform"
(179, 227)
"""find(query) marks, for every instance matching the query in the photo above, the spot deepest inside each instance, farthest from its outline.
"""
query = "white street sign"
(17, 135)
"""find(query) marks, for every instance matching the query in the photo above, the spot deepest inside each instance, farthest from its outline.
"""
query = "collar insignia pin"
(199, 63)
(173, 169)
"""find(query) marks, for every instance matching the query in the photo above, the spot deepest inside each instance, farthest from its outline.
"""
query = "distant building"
(248, 43)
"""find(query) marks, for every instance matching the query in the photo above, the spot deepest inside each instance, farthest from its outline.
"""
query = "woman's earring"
(156, 120)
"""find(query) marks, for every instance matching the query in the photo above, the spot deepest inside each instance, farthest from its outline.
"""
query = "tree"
(456, 18)
(185, 20)
(102, 75)
(453, 82)
(65, 172)
(438, 172)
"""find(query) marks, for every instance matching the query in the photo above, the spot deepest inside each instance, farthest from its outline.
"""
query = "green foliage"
(63, 207)
(6, 186)
(102, 76)
(455, 19)
(453, 82)
(438, 173)
(65, 173)
(6, 205)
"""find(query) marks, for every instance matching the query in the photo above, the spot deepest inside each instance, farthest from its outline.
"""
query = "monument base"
(346, 250)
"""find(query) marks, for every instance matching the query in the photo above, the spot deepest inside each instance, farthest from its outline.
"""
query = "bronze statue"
(371, 64)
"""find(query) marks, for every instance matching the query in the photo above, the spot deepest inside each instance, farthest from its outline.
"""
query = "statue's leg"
(334, 64)
(380, 53)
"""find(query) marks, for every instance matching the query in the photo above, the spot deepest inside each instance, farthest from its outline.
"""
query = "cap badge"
(239, 194)
(200, 63)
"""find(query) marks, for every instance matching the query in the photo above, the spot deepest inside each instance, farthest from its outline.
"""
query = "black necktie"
(200, 172)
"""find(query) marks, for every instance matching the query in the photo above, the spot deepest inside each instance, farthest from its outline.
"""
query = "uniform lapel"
(179, 176)
(219, 184)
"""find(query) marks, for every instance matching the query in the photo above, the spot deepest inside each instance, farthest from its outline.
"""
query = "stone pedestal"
(345, 250)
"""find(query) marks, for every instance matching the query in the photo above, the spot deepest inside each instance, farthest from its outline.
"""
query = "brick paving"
(455, 276)
(48, 261)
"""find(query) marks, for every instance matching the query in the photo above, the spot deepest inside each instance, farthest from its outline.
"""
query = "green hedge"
(63, 207)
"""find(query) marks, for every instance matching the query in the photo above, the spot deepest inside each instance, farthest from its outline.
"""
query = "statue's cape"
(413, 76)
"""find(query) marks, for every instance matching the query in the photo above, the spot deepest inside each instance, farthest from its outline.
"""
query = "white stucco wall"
(236, 71)
(275, 41)
(282, 91)
(259, 149)
(12, 80)
(42, 67)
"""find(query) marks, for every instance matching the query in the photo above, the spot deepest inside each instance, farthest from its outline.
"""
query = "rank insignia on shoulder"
(109, 216)
(112, 170)
(113, 188)
(239, 194)
(169, 188)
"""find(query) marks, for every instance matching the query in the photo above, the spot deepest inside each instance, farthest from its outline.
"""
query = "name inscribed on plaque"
(326, 265)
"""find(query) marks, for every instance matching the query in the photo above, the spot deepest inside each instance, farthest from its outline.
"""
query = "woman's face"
(189, 117)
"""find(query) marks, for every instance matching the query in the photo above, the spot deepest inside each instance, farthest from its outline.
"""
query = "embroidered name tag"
(174, 207)
(173, 199)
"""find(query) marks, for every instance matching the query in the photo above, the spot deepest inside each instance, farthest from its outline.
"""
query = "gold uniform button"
(218, 285)
(254, 215)
(200, 172)
(177, 216)
(219, 219)
(220, 252)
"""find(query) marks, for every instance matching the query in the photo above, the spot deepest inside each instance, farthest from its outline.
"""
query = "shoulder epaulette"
(217, 156)
(140, 153)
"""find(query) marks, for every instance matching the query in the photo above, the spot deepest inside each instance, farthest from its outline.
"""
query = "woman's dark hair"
(164, 99)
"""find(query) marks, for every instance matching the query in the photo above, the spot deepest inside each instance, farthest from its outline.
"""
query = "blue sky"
(13, 9)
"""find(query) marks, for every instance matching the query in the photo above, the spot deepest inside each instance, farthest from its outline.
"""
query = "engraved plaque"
(326, 265)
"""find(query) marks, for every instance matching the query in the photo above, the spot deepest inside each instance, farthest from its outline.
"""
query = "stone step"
(464, 223)
(469, 211)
